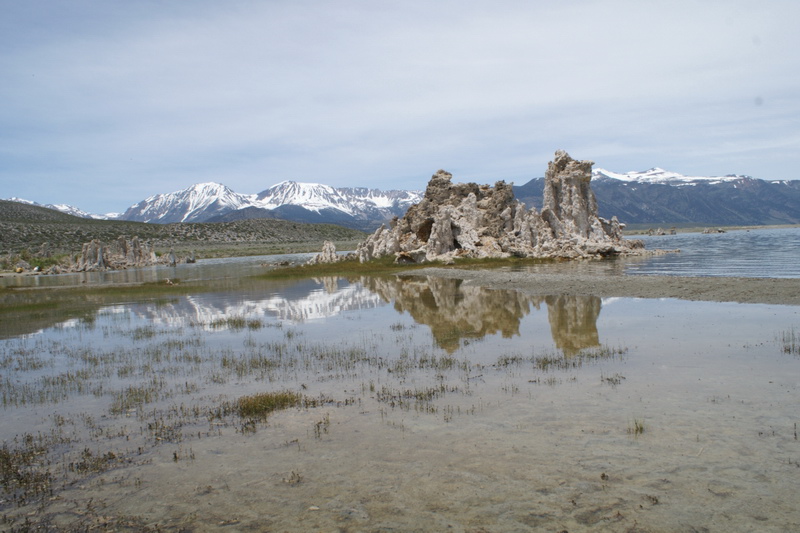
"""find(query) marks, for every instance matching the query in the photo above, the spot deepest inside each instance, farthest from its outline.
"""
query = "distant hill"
(25, 226)
(26, 212)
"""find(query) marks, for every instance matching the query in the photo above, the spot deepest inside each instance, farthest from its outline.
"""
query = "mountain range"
(660, 197)
(358, 208)
(654, 196)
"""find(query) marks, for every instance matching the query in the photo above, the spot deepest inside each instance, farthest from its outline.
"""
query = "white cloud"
(135, 99)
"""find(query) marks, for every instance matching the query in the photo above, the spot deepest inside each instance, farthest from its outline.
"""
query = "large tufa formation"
(470, 220)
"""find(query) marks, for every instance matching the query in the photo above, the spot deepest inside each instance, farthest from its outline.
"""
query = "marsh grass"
(636, 427)
(135, 396)
(790, 341)
(25, 468)
(233, 322)
(90, 462)
(419, 398)
(386, 265)
(613, 379)
(260, 406)
(140, 390)
(559, 360)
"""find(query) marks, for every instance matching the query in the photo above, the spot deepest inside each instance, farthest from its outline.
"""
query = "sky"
(106, 102)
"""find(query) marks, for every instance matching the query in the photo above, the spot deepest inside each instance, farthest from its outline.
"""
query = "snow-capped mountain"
(660, 197)
(664, 177)
(358, 202)
(653, 196)
(360, 208)
(197, 203)
(312, 196)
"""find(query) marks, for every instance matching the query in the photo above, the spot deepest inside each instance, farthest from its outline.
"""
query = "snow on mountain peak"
(21, 201)
(312, 196)
(660, 176)
(187, 205)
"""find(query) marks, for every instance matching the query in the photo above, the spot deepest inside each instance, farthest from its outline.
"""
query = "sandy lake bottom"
(434, 406)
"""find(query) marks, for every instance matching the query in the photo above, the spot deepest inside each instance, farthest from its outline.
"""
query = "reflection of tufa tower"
(573, 321)
(455, 311)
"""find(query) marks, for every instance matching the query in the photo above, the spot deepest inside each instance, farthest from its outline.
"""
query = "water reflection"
(573, 321)
(454, 311)
(293, 301)
(308, 300)
(204, 269)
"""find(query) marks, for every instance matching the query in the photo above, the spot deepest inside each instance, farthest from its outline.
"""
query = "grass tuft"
(261, 405)
(791, 342)
(636, 427)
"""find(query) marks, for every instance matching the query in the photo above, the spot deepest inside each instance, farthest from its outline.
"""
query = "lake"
(426, 404)
(767, 253)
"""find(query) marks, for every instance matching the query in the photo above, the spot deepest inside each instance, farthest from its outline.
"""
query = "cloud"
(128, 100)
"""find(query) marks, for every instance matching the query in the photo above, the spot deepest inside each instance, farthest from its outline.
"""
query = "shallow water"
(203, 269)
(762, 253)
(438, 406)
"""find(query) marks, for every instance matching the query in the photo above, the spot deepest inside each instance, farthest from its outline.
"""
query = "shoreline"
(777, 291)
(638, 230)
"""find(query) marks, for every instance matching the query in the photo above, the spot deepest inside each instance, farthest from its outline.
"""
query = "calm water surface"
(767, 253)
(430, 406)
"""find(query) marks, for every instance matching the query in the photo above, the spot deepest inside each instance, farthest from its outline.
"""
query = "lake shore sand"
(780, 291)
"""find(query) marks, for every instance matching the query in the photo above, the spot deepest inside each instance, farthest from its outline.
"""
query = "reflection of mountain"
(296, 301)
(303, 301)
(573, 321)
(455, 311)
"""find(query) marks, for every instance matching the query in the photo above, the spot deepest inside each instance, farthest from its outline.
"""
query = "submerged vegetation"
(790, 341)
(636, 427)
(106, 386)
(162, 387)
(560, 360)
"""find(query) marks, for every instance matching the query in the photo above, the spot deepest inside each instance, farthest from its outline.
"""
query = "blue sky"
(104, 103)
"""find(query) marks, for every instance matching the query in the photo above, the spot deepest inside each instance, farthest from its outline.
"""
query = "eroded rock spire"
(469, 220)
